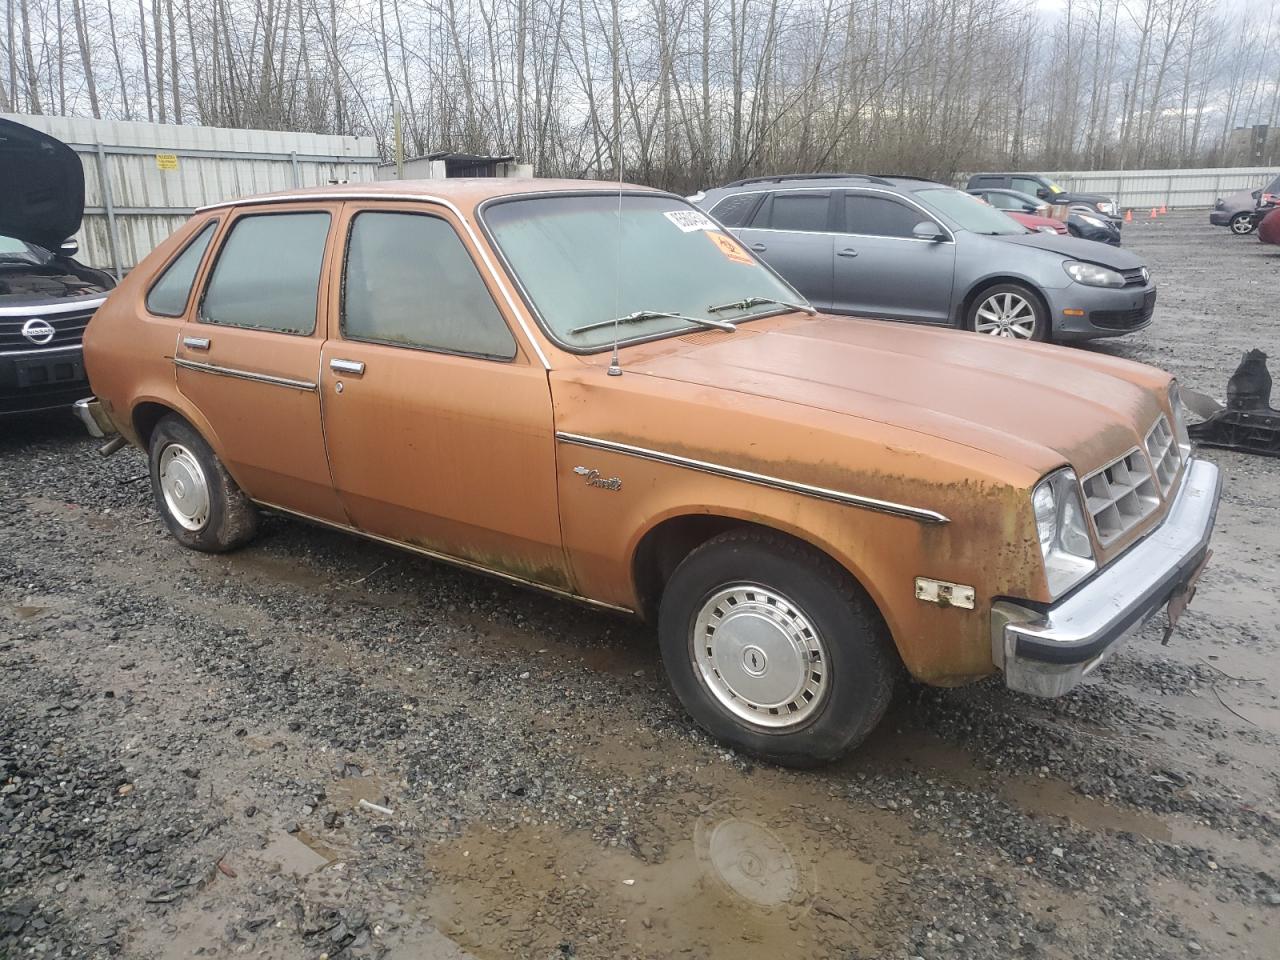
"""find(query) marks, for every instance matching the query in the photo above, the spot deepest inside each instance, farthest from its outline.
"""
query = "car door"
(438, 422)
(791, 231)
(248, 359)
(882, 269)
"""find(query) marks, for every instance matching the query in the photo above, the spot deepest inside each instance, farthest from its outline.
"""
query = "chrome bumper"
(94, 418)
(1046, 653)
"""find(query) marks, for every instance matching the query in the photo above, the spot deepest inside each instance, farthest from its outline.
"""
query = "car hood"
(1070, 197)
(43, 197)
(1073, 248)
(1035, 405)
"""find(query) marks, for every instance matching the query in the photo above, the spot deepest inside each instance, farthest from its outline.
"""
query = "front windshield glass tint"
(969, 212)
(582, 263)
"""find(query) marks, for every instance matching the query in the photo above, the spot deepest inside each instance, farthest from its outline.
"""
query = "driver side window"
(1027, 186)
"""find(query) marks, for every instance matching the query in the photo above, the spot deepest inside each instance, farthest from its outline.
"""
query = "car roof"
(820, 180)
(465, 192)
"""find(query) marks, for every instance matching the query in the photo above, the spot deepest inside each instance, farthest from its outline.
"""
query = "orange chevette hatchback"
(595, 390)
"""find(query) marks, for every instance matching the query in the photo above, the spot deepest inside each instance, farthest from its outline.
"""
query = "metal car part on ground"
(1248, 422)
(598, 392)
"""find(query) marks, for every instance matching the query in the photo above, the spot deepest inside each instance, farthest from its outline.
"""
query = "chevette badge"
(38, 331)
(595, 478)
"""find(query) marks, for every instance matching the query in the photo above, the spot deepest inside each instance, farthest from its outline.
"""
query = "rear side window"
(169, 294)
(1003, 201)
(734, 211)
(1027, 185)
(410, 282)
(267, 275)
(804, 211)
(879, 216)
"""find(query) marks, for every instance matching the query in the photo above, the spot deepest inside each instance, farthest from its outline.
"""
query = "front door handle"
(353, 367)
(759, 247)
(847, 252)
(196, 343)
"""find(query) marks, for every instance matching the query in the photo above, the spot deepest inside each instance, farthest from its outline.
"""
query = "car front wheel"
(201, 505)
(775, 649)
(1242, 224)
(1009, 310)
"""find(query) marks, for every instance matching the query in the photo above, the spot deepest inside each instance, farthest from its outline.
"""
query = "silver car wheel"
(1241, 225)
(760, 656)
(1006, 315)
(183, 484)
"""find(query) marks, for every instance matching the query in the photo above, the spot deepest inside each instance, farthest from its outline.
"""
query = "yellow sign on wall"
(166, 161)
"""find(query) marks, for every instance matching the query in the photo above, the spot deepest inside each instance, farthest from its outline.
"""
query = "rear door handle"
(847, 252)
(196, 343)
(759, 247)
(353, 367)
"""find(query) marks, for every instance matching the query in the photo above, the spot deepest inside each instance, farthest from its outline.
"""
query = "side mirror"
(70, 247)
(927, 230)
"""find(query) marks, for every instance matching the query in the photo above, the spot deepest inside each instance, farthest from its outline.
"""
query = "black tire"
(1041, 326)
(1242, 224)
(862, 666)
(231, 519)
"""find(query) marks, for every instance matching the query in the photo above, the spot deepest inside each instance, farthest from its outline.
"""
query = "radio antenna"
(615, 368)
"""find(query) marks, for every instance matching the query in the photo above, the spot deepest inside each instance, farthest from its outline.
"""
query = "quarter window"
(803, 211)
(879, 216)
(169, 294)
(267, 275)
(410, 282)
(734, 211)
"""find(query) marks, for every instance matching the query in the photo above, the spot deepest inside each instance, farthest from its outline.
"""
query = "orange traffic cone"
(1153, 213)
(1128, 216)
(1162, 209)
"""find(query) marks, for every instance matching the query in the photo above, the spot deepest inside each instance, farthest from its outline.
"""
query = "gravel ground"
(321, 747)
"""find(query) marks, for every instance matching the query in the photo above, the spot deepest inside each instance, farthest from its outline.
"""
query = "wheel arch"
(986, 283)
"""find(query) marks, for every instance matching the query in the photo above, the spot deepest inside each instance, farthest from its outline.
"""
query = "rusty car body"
(626, 407)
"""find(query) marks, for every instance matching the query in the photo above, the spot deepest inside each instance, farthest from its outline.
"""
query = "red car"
(1043, 224)
(1269, 228)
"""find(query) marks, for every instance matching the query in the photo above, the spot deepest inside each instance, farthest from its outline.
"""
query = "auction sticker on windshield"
(730, 248)
(690, 220)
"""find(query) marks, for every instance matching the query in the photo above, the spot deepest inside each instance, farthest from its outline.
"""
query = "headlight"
(1107, 207)
(1047, 229)
(1092, 275)
(1093, 221)
(1063, 531)
(1180, 432)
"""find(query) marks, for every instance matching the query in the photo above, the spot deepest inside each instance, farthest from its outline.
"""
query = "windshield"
(582, 263)
(12, 249)
(969, 212)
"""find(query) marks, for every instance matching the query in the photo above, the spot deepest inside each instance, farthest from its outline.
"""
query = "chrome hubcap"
(183, 484)
(1006, 315)
(1241, 225)
(760, 656)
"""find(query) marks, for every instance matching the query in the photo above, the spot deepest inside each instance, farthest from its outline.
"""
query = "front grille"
(1121, 495)
(1164, 453)
(1125, 319)
(68, 330)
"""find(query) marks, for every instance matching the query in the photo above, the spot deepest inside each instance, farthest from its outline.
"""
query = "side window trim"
(209, 225)
(248, 213)
(423, 348)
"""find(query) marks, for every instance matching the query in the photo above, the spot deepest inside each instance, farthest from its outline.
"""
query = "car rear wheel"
(201, 505)
(1009, 310)
(775, 649)
(1242, 224)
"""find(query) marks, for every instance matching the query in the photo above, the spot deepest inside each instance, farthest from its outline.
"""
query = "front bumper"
(1047, 653)
(41, 379)
(1107, 311)
(1221, 218)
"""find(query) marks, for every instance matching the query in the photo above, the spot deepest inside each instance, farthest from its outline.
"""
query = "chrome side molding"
(243, 374)
(764, 480)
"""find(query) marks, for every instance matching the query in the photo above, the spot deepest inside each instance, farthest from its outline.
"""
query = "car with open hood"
(46, 296)
(914, 250)
(597, 391)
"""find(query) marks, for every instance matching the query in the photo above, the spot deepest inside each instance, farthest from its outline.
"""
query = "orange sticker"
(730, 248)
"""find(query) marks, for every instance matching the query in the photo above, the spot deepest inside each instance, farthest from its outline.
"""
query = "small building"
(444, 164)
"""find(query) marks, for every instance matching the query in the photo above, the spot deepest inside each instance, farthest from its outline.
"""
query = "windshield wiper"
(748, 302)
(640, 315)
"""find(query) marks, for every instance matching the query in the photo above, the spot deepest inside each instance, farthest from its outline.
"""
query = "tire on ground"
(231, 520)
(1041, 329)
(862, 667)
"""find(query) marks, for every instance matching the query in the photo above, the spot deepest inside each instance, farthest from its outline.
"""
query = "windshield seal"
(548, 330)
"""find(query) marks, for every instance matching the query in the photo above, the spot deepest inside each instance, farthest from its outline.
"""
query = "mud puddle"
(738, 884)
